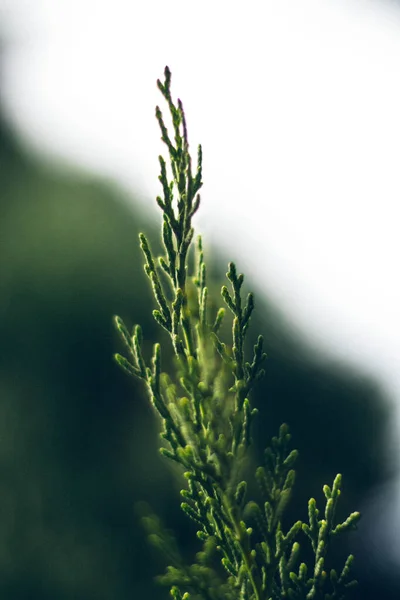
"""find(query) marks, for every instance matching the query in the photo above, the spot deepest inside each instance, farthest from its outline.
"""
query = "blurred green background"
(78, 441)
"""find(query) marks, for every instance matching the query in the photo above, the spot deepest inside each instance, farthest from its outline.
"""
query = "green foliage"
(206, 415)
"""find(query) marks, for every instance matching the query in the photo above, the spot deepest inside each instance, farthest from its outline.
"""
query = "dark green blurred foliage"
(78, 442)
(69, 423)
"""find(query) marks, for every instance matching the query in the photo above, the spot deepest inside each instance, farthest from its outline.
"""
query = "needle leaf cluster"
(203, 404)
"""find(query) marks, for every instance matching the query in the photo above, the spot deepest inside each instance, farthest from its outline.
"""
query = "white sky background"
(297, 105)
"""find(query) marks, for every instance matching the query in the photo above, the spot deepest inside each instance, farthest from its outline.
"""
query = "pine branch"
(205, 412)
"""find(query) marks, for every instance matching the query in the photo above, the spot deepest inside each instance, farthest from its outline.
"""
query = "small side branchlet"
(205, 411)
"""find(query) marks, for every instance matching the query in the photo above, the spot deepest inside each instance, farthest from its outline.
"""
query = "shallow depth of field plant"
(206, 415)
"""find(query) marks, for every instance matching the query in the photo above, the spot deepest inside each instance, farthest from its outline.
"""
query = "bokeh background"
(296, 104)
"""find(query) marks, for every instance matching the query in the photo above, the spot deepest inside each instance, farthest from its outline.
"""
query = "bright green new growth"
(206, 420)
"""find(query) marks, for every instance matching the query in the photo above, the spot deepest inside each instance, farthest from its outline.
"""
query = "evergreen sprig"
(206, 415)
